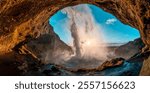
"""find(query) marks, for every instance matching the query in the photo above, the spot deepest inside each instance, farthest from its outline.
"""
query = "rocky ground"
(20, 63)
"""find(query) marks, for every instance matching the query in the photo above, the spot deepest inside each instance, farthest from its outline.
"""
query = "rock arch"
(22, 20)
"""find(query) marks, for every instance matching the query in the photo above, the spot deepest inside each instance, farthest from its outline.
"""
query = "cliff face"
(25, 20)
(130, 49)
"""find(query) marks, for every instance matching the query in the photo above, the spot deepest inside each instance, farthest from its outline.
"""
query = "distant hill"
(130, 49)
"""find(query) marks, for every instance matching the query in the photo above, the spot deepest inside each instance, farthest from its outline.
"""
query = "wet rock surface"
(112, 63)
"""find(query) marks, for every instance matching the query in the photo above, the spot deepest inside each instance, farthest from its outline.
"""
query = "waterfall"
(88, 39)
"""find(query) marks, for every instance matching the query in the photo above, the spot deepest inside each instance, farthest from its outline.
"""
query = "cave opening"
(113, 30)
(94, 35)
(86, 39)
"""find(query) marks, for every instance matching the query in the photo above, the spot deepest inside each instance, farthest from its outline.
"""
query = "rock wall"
(146, 68)
(23, 20)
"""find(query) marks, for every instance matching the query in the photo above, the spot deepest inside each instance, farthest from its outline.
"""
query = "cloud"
(111, 21)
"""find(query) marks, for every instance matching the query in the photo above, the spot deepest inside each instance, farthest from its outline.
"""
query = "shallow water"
(128, 68)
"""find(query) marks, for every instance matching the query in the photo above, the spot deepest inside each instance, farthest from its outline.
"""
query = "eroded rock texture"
(22, 21)
(146, 68)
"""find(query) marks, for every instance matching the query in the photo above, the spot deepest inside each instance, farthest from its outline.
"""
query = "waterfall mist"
(88, 40)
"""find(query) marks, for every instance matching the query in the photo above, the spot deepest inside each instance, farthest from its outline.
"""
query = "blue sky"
(114, 31)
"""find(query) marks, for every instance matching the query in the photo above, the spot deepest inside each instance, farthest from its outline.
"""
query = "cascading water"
(88, 40)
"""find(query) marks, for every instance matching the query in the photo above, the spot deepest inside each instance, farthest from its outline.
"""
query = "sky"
(113, 30)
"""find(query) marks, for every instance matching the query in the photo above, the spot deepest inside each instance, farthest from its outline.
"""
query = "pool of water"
(127, 68)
